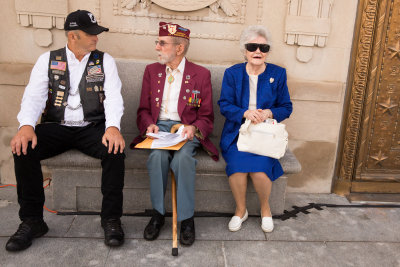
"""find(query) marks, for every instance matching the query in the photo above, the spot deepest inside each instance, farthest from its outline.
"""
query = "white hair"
(252, 32)
(185, 42)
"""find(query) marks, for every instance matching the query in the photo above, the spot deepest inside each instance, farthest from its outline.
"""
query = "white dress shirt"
(169, 104)
(36, 92)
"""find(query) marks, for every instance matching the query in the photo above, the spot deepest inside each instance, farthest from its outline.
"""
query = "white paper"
(165, 139)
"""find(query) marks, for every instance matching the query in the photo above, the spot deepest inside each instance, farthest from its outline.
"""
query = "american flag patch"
(58, 65)
(94, 69)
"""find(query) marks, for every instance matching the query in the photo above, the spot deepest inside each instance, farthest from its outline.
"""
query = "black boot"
(188, 234)
(27, 230)
(153, 228)
(113, 233)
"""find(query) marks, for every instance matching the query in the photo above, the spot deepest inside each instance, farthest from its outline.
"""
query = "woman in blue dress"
(256, 91)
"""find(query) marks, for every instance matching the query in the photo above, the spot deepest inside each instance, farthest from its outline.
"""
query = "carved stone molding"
(229, 12)
(358, 88)
(307, 25)
(234, 10)
(42, 15)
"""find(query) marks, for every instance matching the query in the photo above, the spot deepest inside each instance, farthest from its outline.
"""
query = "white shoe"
(236, 222)
(267, 225)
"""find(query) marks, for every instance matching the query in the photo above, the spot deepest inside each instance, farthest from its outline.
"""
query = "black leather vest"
(90, 87)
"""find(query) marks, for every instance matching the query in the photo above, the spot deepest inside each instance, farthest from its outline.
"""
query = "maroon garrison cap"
(170, 29)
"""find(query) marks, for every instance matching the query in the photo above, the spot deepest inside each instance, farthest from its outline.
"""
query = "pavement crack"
(108, 255)
(224, 254)
(70, 226)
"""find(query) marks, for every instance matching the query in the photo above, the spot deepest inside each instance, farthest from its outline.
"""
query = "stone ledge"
(315, 90)
(15, 74)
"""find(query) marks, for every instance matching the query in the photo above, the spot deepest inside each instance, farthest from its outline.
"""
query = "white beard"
(164, 59)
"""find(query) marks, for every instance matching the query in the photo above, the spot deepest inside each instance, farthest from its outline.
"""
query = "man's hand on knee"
(113, 139)
(190, 130)
(24, 135)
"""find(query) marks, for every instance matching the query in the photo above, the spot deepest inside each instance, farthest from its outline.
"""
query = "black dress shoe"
(153, 228)
(187, 235)
(113, 233)
(27, 230)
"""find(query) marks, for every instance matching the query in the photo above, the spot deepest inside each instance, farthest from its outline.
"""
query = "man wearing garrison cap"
(175, 91)
(78, 92)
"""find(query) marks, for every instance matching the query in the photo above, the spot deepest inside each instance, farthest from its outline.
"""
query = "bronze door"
(370, 157)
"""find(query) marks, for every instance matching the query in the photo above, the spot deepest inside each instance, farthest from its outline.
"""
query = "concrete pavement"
(344, 236)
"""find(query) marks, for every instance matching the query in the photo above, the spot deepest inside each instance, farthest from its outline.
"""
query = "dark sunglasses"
(251, 47)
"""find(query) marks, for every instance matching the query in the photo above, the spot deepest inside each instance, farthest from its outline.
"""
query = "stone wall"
(311, 38)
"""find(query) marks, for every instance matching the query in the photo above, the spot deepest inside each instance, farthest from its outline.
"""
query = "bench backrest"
(131, 74)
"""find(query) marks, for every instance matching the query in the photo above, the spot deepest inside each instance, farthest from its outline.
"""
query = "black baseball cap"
(83, 20)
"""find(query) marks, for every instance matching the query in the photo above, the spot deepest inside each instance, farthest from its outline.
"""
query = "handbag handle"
(245, 126)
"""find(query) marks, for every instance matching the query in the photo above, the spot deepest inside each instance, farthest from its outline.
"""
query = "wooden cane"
(174, 217)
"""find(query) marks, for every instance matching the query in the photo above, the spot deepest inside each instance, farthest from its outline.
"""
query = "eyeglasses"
(251, 47)
(162, 43)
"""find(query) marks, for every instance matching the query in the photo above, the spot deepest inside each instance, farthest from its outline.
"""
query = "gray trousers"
(183, 164)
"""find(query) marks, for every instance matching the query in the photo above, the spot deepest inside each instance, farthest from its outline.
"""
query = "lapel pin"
(271, 80)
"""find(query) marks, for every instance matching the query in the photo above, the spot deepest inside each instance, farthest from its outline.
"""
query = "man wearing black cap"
(77, 91)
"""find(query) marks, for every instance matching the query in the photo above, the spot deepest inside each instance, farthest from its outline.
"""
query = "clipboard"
(146, 144)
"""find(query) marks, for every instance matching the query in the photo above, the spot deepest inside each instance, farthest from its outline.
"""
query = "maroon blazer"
(196, 79)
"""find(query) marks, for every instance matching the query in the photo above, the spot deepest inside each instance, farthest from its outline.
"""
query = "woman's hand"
(259, 115)
(255, 116)
(266, 114)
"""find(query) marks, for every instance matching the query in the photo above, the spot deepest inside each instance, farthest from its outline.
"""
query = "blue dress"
(272, 93)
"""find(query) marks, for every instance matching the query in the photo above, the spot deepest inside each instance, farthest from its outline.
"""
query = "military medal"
(194, 100)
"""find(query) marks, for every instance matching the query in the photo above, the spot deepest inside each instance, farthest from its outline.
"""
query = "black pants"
(54, 139)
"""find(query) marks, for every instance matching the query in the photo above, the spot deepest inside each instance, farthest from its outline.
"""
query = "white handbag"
(268, 138)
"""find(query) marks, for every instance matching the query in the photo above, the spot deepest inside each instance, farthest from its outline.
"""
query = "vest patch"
(58, 65)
